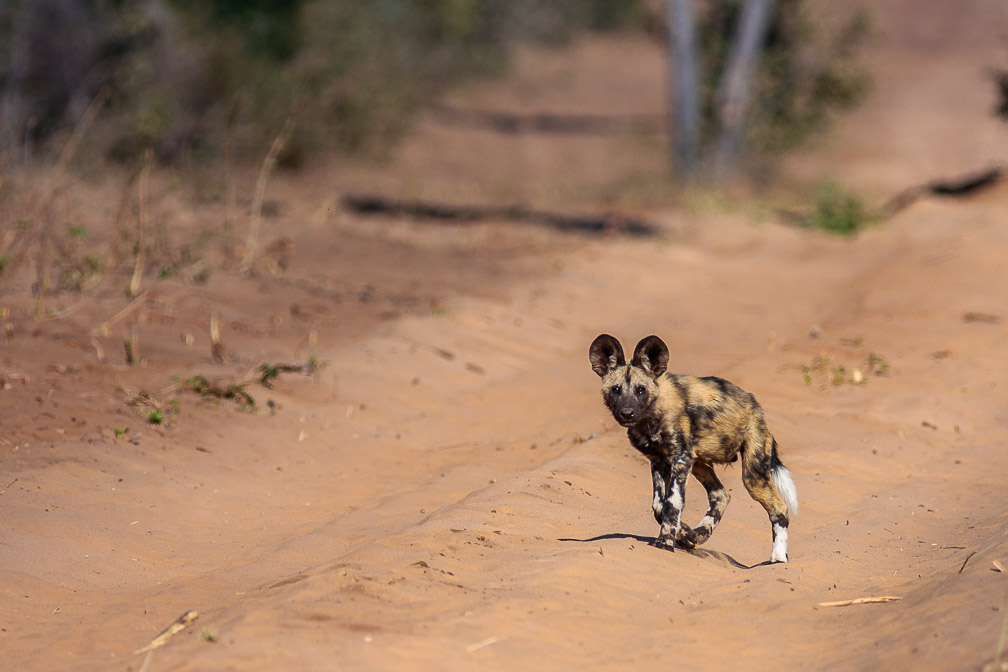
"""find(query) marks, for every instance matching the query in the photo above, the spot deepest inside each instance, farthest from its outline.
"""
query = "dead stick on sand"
(962, 185)
(180, 624)
(486, 642)
(965, 561)
(147, 659)
(861, 600)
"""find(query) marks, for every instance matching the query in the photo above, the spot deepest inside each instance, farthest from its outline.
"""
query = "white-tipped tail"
(785, 487)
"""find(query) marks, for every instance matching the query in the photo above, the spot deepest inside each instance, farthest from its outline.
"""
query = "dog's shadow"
(651, 541)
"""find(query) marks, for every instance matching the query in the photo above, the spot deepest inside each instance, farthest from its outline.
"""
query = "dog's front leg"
(672, 527)
(661, 477)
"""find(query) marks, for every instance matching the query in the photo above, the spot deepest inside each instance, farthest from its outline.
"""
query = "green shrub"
(837, 211)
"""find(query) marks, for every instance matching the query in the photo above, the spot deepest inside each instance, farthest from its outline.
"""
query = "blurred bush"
(806, 72)
(838, 211)
(190, 76)
(809, 73)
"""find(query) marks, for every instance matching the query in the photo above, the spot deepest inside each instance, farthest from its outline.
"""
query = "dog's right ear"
(605, 354)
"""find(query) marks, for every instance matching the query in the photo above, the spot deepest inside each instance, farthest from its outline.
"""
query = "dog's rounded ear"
(605, 354)
(652, 355)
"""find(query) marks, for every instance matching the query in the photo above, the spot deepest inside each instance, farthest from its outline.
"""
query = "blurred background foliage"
(196, 78)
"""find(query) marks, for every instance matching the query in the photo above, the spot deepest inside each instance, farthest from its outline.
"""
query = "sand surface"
(446, 491)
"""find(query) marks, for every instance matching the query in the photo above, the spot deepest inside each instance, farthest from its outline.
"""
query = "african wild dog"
(683, 424)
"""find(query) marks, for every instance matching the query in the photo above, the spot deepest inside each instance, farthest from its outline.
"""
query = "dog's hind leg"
(661, 474)
(761, 471)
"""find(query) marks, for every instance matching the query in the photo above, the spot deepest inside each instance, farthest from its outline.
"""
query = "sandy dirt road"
(446, 491)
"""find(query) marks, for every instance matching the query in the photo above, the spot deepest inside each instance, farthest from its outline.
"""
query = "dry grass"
(142, 198)
(252, 240)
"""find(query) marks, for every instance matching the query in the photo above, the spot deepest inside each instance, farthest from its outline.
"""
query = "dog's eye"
(616, 389)
(641, 391)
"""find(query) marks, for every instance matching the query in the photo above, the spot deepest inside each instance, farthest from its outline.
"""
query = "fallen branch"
(461, 214)
(472, 648)
(545, 122)
(861, 600)
(965, 561)
(958, 186)
(177, 626)
(962, 185)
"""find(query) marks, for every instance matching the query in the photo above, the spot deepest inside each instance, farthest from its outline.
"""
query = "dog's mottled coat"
(684, 425)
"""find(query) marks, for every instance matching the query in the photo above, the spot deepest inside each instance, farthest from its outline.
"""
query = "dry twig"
(177, 626)
(861, 600)
(485, 643)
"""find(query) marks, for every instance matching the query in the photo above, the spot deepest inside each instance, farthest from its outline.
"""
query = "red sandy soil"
(446, 492)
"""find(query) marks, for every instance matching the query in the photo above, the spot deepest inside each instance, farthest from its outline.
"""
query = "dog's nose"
(626, 414)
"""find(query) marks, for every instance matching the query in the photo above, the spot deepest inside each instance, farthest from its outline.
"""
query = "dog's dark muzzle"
(626, 415)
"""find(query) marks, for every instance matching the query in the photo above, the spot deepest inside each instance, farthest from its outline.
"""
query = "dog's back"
(718, 414)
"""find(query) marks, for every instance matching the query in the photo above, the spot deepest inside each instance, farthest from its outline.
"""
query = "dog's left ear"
(652, 355)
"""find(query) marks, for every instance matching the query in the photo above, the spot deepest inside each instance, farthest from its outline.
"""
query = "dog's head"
(629, 391)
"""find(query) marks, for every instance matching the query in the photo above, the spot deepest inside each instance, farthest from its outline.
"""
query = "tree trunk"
(735, 90)
(684, 96)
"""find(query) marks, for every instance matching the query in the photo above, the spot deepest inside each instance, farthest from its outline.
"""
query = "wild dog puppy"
(684, 424)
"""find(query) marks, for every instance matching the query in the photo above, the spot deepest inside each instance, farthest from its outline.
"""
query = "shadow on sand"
(650, 541)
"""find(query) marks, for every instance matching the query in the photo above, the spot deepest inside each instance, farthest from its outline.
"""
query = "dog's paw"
(665, 543)
(702, 533)
(686, 537)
